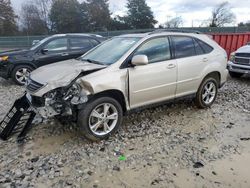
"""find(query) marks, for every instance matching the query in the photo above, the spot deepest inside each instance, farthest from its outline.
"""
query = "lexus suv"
(17, 64)
(239, 63)
(126, 73)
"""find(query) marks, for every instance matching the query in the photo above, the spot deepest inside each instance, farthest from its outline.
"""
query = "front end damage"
(60, 101)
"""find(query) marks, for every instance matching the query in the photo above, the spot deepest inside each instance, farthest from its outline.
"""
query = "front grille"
(243, 54)
(33, 86)
(242, 60)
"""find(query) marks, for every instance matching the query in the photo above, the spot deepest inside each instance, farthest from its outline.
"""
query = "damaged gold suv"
(120, 75)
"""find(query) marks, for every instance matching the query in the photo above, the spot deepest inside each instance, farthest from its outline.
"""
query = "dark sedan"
(17, 64)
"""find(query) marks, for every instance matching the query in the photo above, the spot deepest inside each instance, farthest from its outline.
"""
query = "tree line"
(40, 17)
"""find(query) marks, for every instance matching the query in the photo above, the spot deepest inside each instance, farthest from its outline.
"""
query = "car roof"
(151, 34)
(78, 35)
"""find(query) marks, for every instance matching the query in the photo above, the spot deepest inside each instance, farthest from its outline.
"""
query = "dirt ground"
(175, 145)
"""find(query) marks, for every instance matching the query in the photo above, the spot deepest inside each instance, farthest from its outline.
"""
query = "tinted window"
(80, 43)
(156, 49)
(184, 46)
(94, 42)
(207, 49)
(57, 45)
(198, 49)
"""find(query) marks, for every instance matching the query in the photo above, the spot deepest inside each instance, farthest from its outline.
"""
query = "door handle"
(171, 66)
(205, 59)
(64, 54)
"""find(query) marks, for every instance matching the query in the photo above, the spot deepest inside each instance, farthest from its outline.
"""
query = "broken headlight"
(76, 95)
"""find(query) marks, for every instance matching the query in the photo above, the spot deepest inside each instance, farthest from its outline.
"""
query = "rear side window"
(206, 48)
(156, 50)
(79, 43)
(184, 46)
(198, 48)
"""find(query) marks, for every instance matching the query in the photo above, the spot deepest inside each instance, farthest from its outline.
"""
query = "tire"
(87, 118)
(205, 97)
(235, 74)
(20, 73)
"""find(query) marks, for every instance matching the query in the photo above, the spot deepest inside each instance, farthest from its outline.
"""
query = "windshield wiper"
(93, 61)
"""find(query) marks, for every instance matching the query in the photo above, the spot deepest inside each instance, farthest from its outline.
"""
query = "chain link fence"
(26, 41)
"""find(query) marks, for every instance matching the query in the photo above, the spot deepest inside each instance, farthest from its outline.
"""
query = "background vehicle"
(18, 64)
(239, 63)
(110, 80)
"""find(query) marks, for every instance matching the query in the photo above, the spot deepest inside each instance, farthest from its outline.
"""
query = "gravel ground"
(175, 145)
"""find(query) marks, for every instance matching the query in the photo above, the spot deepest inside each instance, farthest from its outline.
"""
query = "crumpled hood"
(63, 73)
(244, 49)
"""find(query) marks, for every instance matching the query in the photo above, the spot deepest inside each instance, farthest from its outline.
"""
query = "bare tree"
(32, 22)
(8, 25)
(174, 22)
(44, 9)
(221, 15)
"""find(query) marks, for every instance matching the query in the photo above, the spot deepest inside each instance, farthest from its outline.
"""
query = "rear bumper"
(233, 67)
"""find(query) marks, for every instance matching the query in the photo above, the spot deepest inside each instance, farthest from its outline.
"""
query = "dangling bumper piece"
(17, 120)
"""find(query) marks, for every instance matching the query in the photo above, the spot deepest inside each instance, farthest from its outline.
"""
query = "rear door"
(79, 46)
(53, 51)
(156, 81)
(191, 61)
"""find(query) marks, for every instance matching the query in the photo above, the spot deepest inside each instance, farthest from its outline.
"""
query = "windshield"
(39, 43)
(111, 51)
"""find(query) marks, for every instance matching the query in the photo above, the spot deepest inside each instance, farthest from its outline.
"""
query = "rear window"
(184, 46)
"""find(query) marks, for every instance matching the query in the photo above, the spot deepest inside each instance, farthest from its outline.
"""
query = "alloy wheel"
(22, 74)
(209, 93)
(103, 119)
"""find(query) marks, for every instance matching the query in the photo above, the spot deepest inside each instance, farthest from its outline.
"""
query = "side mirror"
(34, 42)
(138, 60)
(44, 51)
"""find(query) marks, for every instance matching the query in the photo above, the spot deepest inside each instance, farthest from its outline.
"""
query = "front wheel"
(21, 73)
(207, 93)
(100, 118)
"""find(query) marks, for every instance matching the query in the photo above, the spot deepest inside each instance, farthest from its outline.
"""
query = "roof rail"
(175, 30)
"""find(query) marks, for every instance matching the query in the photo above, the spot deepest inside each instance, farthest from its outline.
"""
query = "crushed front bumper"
(233, 67)
(18, 119)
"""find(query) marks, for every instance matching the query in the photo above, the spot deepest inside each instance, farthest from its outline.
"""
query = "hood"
(244, 49)
(63, 73)
(14, 52)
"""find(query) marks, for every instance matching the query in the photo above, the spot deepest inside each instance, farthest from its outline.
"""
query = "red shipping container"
(231, 41)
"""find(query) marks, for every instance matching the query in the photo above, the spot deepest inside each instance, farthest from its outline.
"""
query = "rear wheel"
(235, 74)
(100, 118)
(21, 73)
(207, 93)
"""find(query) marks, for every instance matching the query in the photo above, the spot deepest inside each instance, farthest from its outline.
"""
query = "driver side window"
(57, 45)
(156, 50)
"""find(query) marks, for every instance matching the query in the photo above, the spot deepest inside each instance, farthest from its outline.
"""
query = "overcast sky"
(192, 11)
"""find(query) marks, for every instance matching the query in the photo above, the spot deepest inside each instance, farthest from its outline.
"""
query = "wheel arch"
(20, 64)
(115, 94)
(215, 74)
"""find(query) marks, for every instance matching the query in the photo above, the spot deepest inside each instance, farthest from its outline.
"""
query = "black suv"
(17, 64)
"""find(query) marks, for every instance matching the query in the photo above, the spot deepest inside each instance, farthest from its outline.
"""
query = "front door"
(156, 81)
(54, 51)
